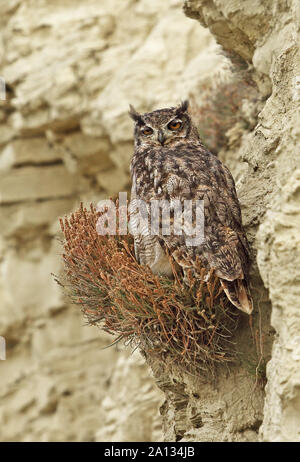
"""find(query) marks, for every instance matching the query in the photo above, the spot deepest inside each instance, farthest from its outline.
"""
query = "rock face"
(71, 71)
(266, 35)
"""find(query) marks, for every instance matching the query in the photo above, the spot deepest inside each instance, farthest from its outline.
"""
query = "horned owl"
(170, 162)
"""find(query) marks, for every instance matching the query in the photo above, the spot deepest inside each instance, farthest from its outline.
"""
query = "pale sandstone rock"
(92, 155)
(141, 79)
(6, 133)
(51, 397)
(30, 183)
(73, 69)
(18, 220)
(26, 281)
(268, 35)
(139, 401)
(29, 151)
(113, 180)
(66, 65)
(279, 244)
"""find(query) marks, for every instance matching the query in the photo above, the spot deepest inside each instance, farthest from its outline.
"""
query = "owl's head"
(163, 127)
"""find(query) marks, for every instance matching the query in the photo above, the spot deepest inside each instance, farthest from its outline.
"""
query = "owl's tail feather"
(238, 293)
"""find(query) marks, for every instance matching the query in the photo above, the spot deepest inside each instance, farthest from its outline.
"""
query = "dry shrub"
(190, 326)
(220, 110)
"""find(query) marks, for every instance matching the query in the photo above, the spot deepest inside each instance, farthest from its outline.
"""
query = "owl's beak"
(161, 137)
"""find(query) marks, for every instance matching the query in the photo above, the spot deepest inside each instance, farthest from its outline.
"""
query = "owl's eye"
(147, 131)
(174, 125)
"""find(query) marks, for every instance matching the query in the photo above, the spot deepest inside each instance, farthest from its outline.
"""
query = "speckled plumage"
(174, 164)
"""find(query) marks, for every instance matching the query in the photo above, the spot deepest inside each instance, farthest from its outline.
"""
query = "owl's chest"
(159, 176)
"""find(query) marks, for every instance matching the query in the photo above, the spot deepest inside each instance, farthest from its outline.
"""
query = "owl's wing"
(225, 247)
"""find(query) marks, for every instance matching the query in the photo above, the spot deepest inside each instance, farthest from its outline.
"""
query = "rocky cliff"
(71, 70)
(266, 35)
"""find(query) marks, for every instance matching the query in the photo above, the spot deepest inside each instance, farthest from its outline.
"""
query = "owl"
(170, 163)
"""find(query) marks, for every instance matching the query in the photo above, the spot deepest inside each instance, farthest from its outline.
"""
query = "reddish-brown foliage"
(190, 325)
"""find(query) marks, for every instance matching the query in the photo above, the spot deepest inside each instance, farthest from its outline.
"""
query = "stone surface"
(31, 152)
(72, 69)
(31, 217)
(267, 35)
(32, 183)
(139, 400)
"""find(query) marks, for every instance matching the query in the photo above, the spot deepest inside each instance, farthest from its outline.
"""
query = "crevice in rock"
(45, 164)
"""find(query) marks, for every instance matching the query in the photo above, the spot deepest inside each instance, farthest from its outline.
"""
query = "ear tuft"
(135, 115)
(183, 107)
